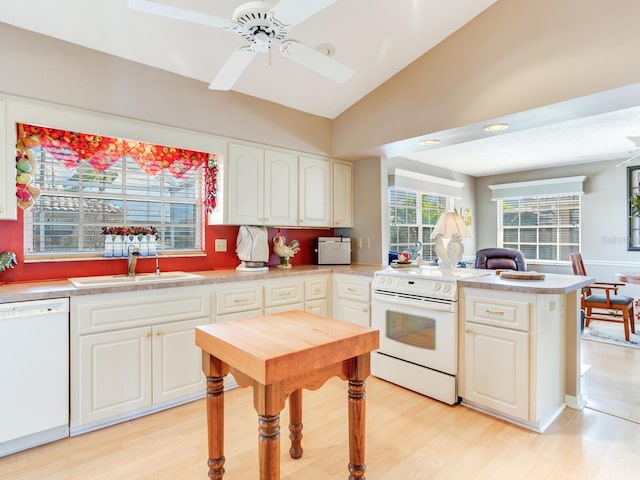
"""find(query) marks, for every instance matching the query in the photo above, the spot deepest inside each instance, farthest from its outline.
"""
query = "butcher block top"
(271, 348)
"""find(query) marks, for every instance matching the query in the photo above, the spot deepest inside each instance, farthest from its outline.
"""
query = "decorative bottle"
(117, 246)
(108, 246)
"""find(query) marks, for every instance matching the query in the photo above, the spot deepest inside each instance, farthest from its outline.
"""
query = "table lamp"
(448, 234)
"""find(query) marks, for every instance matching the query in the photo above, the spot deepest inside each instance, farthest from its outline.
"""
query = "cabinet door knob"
(147, 335)
(468, 330)
(158, 333)
(365, 309)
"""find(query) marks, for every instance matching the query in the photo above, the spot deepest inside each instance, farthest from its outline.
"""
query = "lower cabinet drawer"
(492, 310)
(239, 300)
(283, 294)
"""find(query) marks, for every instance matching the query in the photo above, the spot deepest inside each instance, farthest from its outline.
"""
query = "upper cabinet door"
(342, 194)
(246, 185)
(7, 164)
(314, 192)
(280, 188)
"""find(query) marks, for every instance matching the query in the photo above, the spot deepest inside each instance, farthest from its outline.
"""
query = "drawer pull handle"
(240, 300)
(494, 312)
(284, 294)
(349, 289)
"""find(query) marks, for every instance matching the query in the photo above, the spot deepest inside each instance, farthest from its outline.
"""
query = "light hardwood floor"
(612, 384)
(408, 437)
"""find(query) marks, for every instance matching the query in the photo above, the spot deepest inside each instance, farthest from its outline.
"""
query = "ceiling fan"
(635, 153)
(263, 24)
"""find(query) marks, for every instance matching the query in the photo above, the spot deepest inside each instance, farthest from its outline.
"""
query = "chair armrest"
(612, 284)
(606, 287)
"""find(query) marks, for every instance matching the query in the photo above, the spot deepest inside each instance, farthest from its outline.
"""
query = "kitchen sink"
(141, 278)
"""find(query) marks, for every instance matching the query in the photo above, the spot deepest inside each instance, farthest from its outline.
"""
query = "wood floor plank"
(408, 437)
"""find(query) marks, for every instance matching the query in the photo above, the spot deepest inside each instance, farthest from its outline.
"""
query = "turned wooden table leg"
(215, 426)
(295, 424)
(215, 370)
(269, 446)
(357, 412)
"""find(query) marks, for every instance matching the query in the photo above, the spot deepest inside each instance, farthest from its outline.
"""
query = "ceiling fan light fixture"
(429, 142)
(495, 127)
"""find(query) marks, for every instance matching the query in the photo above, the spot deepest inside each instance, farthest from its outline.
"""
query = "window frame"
(572, 227)
(125, 195)
(427, 244)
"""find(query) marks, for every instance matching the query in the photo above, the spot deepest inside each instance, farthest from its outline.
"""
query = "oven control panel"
(416, 285)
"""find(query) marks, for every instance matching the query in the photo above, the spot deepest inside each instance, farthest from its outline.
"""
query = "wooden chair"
(610, 306)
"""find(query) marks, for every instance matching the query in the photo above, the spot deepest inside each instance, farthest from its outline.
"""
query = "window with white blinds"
(542, 228)
(68, 217)
(412, 217)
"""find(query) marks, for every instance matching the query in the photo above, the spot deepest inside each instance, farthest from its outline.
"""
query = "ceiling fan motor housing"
(256, 24)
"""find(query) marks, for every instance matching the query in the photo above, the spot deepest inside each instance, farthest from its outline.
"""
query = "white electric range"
(416, 311)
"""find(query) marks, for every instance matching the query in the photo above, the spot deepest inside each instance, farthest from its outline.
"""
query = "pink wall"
(11, 238)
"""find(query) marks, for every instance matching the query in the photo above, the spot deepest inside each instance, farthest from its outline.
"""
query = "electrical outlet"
(367, 242)
(221, 245)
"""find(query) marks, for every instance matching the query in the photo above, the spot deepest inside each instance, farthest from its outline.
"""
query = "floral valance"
(99, 151)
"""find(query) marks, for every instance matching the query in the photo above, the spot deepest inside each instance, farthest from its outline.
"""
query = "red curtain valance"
(71, 148)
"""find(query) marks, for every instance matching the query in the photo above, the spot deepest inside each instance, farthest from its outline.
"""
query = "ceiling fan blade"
(624, 162)
(317, 61)
(233, 68)
(155, 8)
(629, 160)
(292, 12)
(635, 140)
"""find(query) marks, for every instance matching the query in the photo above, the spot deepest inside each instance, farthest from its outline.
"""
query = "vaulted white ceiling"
(378, 38)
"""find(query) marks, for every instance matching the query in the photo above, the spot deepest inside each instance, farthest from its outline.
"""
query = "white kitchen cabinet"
(114, 375)
(342, 194)
(512, 355)
(314, 190)
(497, 369)
(134, 353)
(7, 163)
(262, 186)
(352, 299)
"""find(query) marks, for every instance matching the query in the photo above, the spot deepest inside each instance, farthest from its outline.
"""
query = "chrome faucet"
(132, 260)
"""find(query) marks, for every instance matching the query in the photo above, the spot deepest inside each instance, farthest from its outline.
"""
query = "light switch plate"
(221, 245)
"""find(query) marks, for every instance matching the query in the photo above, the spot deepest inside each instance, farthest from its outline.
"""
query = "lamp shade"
(449, 224)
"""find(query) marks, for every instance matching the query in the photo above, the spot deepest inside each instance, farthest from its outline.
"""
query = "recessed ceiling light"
(430, 141)
(495, 127)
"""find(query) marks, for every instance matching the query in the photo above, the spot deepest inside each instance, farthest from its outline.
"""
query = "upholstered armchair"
(501, 258)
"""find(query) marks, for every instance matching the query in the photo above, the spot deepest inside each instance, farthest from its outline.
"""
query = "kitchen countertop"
(47, 289)
(552, 283)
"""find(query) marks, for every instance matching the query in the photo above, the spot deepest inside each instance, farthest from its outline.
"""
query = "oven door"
(417, 331)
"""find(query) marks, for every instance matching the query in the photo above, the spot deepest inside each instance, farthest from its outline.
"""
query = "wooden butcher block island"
(279, 355)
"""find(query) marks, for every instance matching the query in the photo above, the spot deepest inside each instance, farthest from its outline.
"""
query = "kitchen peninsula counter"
(552, 283)
(48, 289)
(541, 318)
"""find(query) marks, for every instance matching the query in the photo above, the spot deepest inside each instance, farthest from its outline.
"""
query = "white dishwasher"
(34, 373)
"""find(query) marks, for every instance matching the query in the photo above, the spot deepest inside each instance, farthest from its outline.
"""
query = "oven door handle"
(398, 299)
